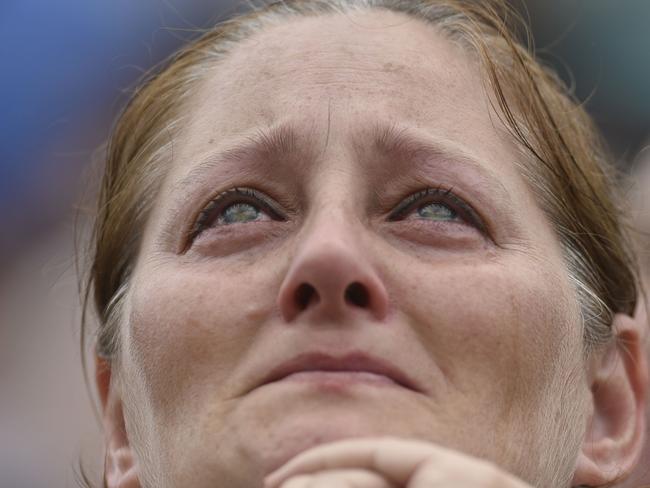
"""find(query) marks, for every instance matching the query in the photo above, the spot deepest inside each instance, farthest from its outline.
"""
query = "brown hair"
(562, 155)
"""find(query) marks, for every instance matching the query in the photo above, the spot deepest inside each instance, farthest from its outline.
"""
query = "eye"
(438, 205)
(238, 213)
(234, 206)
(437, 211)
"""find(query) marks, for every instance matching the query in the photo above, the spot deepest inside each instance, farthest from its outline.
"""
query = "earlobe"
(615, 432)
(120, 465)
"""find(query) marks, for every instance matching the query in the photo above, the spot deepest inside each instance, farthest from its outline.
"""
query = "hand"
(388, 462)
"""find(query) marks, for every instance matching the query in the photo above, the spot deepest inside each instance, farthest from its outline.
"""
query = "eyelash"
(222, 201)
(248, 195)
(444, 196)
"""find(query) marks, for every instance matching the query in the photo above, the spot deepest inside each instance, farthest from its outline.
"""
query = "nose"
(329, 278)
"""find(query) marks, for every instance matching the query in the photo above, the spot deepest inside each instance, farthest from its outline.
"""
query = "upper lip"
(354, 361)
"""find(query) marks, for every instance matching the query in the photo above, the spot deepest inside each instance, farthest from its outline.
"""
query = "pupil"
(240, 212)
(437, 211)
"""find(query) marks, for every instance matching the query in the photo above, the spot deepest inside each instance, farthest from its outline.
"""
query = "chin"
(299, 435)
(273, 426)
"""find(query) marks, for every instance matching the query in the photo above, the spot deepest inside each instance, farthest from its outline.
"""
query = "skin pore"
(466, 287)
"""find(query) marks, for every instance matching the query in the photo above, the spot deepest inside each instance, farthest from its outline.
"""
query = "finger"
(395, 459)
(403, 462)
(459, 473)
(339, 478)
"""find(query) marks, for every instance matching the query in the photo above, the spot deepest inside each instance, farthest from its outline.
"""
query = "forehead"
(341, 71)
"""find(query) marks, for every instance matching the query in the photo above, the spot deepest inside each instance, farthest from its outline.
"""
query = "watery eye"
(239, 213)
(234, 206)
(437, 205)
(437, 211)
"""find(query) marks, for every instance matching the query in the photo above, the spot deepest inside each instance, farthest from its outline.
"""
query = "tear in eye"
(437, 211)
(437, 205)
(238, 213)
(234, 206)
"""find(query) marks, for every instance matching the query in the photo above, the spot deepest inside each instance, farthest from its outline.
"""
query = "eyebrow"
(404, 143)
(267, 144)
(265, 147)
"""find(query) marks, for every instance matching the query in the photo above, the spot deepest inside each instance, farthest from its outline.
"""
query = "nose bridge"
(334, 220)
(331, 274)
(332, 225)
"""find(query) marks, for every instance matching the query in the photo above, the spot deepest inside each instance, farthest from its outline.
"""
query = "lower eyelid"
(437, 236)
(233, 239)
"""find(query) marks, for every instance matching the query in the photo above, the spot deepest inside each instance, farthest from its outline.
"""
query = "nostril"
(357, 294)
(304, 295)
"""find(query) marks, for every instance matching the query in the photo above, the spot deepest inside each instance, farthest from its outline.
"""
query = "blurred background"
(66, 69)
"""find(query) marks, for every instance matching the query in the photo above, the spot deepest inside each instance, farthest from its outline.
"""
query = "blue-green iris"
(239, 213)
(437, 211)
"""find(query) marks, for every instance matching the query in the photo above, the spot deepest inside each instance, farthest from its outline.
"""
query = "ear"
(615, 432)
(120, 465)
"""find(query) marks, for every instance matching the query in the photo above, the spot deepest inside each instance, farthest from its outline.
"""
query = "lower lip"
(339, 379)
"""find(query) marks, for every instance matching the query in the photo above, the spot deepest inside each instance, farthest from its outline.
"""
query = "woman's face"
(334, 249)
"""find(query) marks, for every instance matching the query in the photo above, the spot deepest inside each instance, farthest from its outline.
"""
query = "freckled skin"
(490, 329)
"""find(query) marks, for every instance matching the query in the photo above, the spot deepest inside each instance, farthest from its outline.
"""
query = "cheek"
(507, 337)
(494, 327)
(188, 329)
